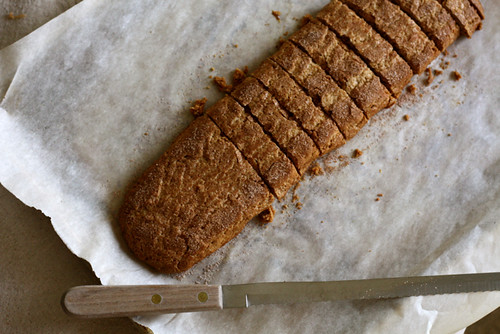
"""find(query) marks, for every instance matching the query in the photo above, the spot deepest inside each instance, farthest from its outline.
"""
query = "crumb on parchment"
(267, 216)
(357, 153)
(430, 76)
(276, 14)
(198, 107)
(220, 82)
(11, 16)
(412, 89)
(456, 75)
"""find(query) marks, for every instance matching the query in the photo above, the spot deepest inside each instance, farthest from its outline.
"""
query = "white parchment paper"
(90, 99)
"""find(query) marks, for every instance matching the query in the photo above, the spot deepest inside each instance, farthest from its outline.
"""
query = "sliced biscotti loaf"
(399, 29)
(322, 88)
(195, 198)
(290, 95)
(377, 52)
(257, 147)
(434, 20)
(305, 100)
(349, 71)
(293, 140)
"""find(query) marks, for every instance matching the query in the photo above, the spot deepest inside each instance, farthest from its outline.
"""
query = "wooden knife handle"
(132, 300)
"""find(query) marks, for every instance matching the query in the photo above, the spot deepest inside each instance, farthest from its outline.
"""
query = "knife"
(132, 300)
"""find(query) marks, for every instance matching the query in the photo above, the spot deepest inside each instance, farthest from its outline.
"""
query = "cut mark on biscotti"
(314, 121)
(272, 165)
(479, 8)
(466, 16)
(287, 132)
(348, 70)
(368, 44)
(433, 19)
(315, 101)
(398, 29)
(325, 93)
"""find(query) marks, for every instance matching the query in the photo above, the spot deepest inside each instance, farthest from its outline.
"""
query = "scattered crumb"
(455, 55)
(238, 76)
(235, 45)
(276, 14)
(267, 216)
(306, 19)
(377, 199)
(210, 77)
(220, 82)
(380, 195)
(444, 65)
(430, 76)
(285, 33)
(198, 107)
(445, 52)
(298, 205)
(456, 75)
(146, 134)
(412, 89)
(315, 170)
(438, 72)
(285, 206)
(322, 222)
(357, 153)
(295, 198)
(449, 134)
(406, 117)
(11, 16)
(380, 171)
(211, 69)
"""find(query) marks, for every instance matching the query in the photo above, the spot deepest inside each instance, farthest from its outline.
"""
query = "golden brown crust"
(193, 200)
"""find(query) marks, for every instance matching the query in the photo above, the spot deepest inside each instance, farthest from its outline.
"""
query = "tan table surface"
(36, 267)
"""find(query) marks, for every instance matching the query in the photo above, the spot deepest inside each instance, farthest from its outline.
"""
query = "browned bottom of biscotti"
(193, 200)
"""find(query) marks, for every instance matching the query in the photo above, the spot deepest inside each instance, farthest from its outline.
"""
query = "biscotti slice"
(433, 19)
(322, 88)
(399, 29)
(262, 153)
(194, 199)
(297, 145)
(349, 71)
(288, 93)
(464, 14)
(479, 8)
(393, 71)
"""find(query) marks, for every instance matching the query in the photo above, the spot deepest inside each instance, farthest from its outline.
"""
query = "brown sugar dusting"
(316, 170)
(456, 75)
(357, 153)
(276, 14)
(220, 82)
(238, 76)
(267, 216)
(198, 107)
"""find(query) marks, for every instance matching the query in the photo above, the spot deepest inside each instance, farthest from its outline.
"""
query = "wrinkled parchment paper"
(93, 97)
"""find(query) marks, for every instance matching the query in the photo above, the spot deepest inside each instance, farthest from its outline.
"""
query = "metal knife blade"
(114, 301)
(245, 295)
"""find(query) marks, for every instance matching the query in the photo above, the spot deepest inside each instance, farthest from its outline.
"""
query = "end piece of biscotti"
(194, 199)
